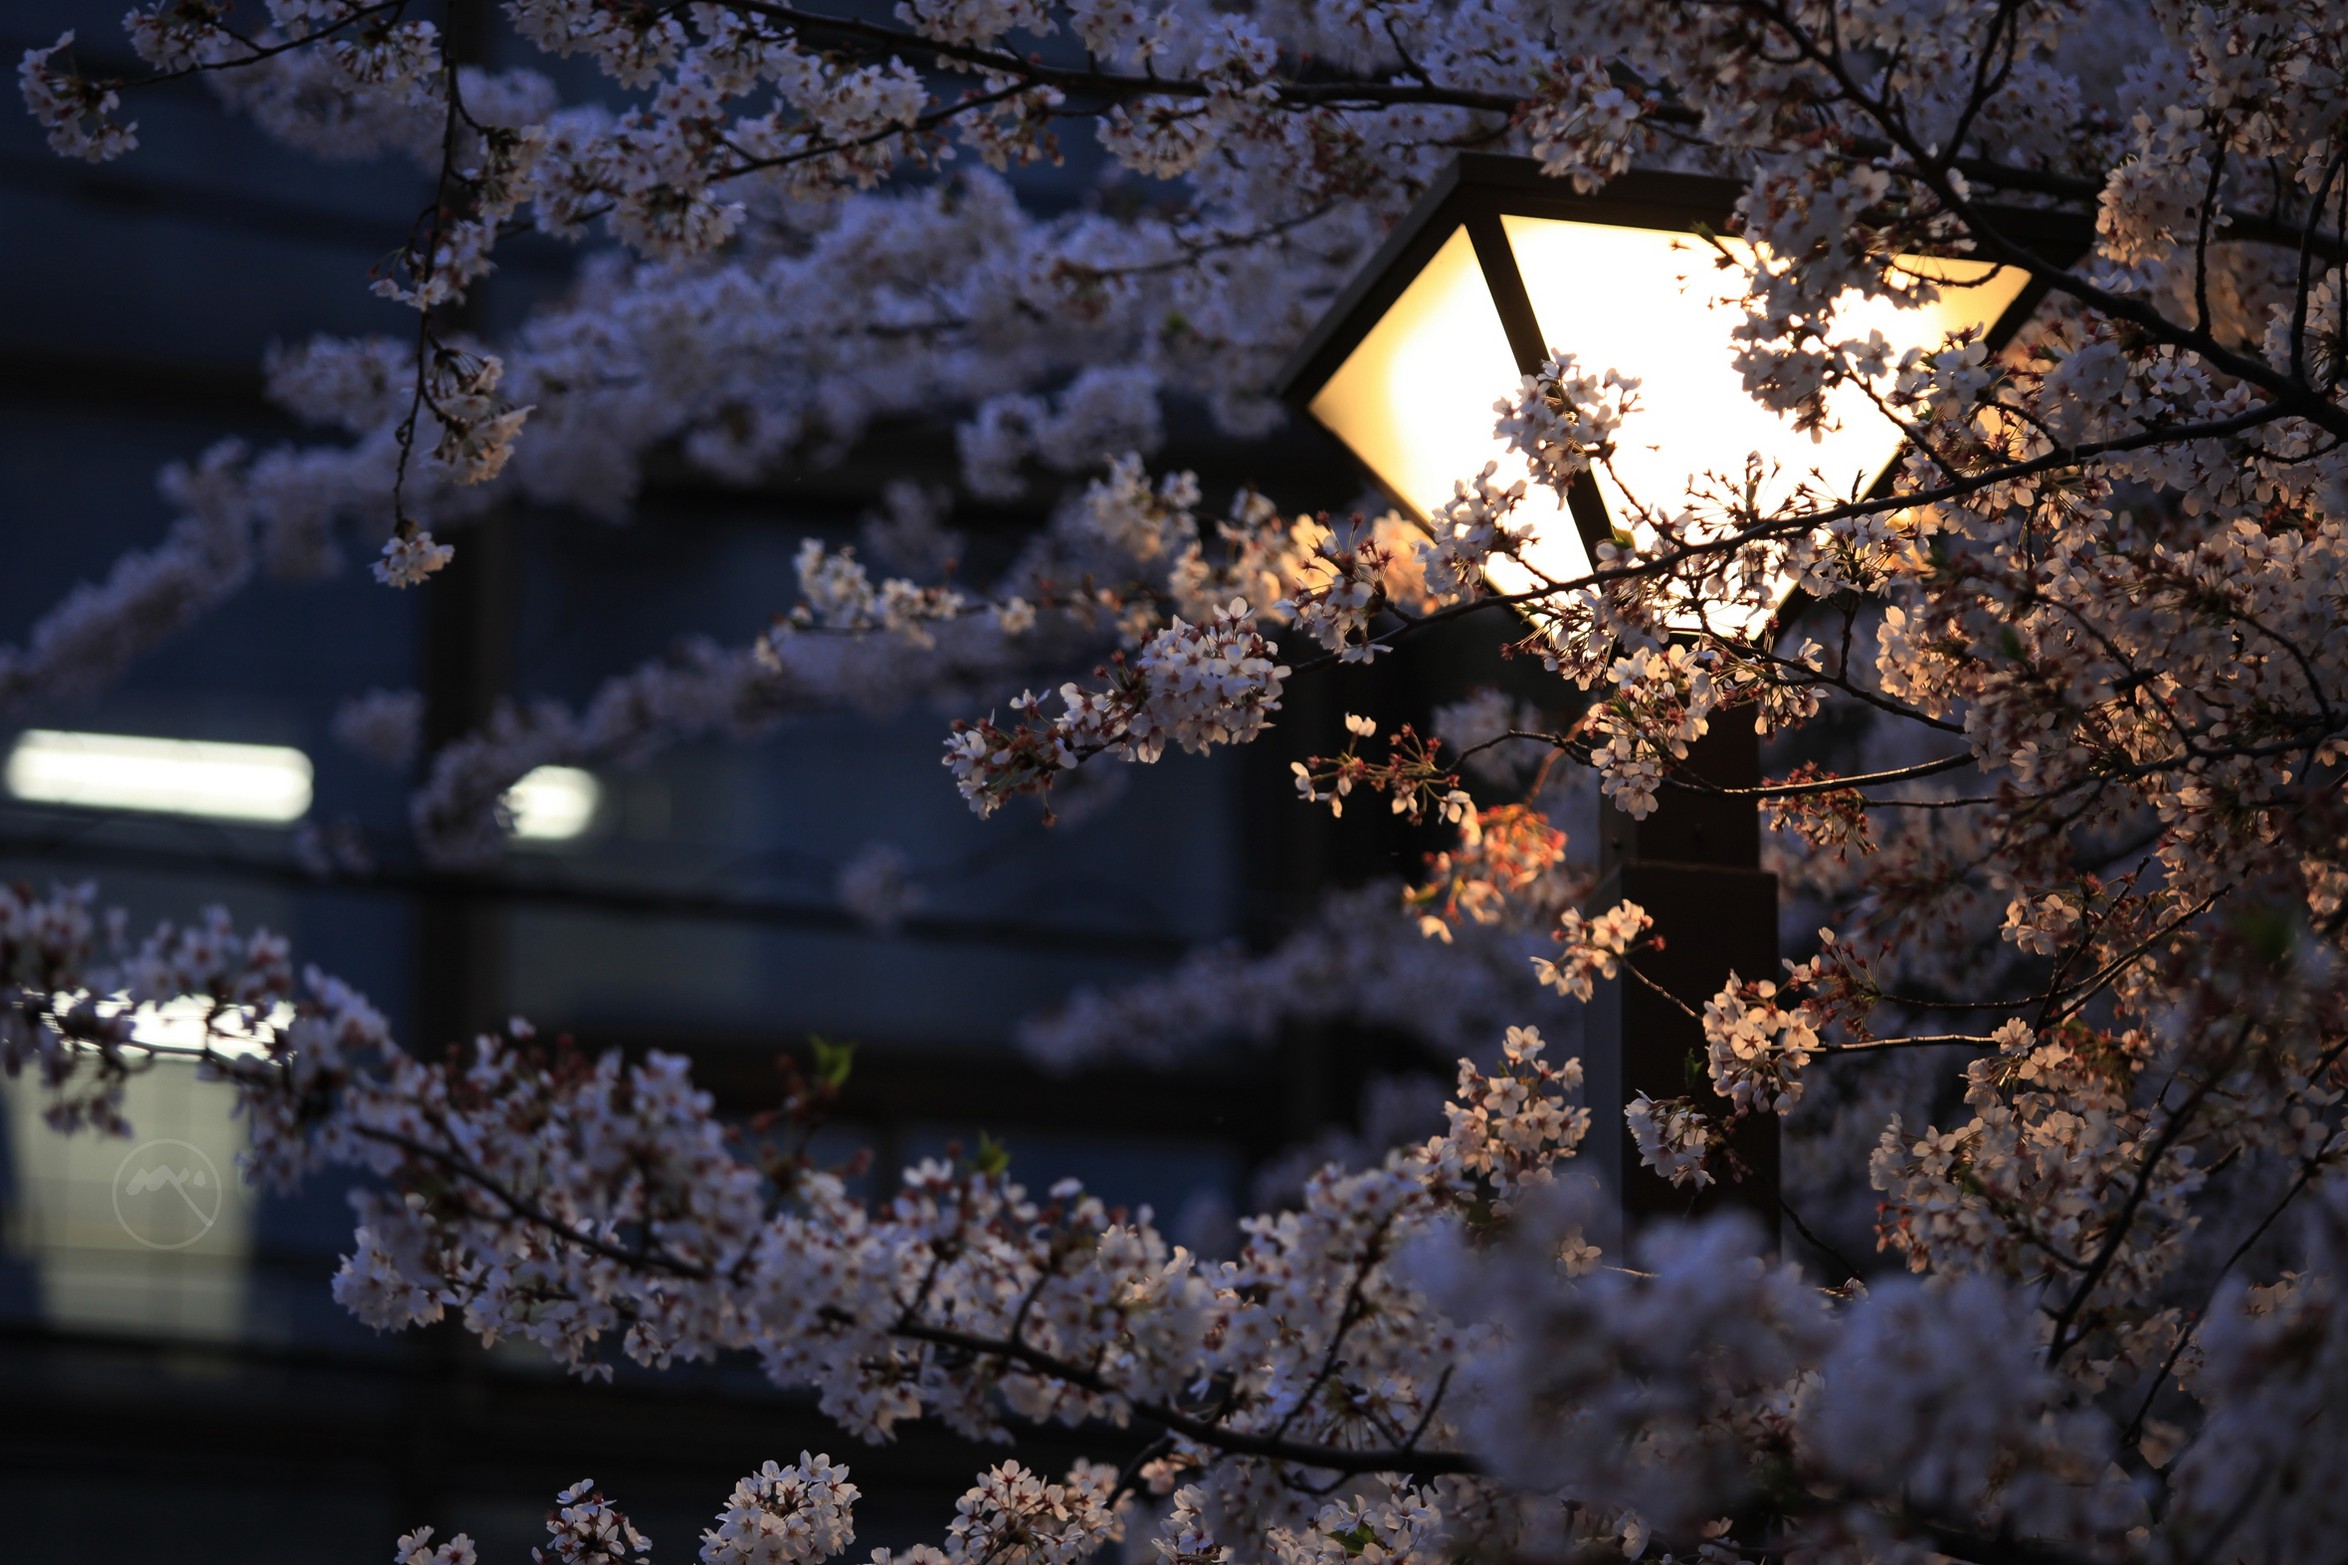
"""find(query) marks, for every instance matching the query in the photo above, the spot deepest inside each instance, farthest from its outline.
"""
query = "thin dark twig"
(1329, 1458)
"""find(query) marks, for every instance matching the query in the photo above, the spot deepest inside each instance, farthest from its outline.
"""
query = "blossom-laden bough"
(2062, 711)
(1433, 1350)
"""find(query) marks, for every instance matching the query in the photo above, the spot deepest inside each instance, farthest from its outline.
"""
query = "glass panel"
(1414, 401)
(149, 1235)
(1654, 305)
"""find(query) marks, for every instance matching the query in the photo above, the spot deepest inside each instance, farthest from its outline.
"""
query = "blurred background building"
(209, 1401)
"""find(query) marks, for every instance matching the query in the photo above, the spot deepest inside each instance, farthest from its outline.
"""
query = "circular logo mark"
(167, 1194)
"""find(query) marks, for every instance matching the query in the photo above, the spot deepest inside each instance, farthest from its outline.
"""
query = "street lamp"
(1496, 267)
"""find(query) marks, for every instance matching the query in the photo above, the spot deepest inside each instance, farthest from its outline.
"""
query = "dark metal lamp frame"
(1694, 863)
(1479, 189)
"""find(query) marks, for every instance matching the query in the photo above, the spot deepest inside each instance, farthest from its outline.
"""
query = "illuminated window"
(554, 804)
(153, 1234)
(238, 782)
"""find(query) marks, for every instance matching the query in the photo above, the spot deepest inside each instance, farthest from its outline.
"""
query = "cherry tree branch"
(1413, 1460)
(2288, 391)
(1274, 1447)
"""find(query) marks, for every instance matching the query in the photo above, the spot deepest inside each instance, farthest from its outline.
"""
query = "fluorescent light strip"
(554, 804)
(239, 782)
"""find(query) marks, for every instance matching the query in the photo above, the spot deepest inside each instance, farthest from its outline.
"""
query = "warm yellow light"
(1414, 399)
(554, 804)
(1659, 307)
(244, 782)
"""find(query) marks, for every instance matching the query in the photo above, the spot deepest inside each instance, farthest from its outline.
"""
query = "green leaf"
(832, 1060)
(993, 1157)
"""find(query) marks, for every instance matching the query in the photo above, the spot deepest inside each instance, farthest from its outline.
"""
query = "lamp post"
(1493, 269)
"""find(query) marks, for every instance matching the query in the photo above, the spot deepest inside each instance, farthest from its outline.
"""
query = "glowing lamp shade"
(553, 804)
(1413, 400)
(234, 782)
(1498, 267)
(1652, 304)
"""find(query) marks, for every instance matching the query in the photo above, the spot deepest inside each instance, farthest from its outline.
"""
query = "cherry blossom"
(2055, 721)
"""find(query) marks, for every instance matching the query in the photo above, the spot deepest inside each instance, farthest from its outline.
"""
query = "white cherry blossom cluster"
(1673, 1137)
(2066, 701)
(147, 596)
(385, 726)
(417, 1548)
(1593, 949)
(411, 558)
(1511, 1126)
(1396, 1322)
(1346, 587)
(785, 1516)
(836, 593)
(1150, 524)
(1564, 418)
(587, 1529)
(1756, 1047)
(78, 113)
(1478, 525)
(2048, 1131)
(477, 427)
(1662, 702)
(1188, 1537)
(1586, 127)
(2040, 927)
(1012, 1509)
(1200, 686)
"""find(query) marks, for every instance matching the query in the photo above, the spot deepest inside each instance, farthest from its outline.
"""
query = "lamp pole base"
(1694, 865)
